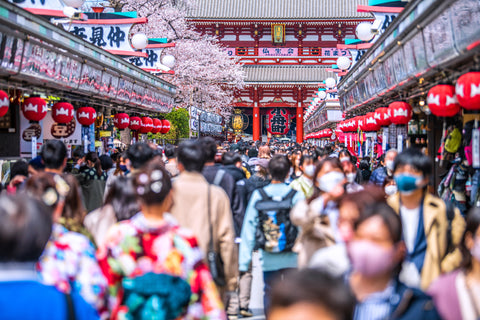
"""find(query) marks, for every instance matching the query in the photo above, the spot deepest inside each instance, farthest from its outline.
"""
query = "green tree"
(179, 126)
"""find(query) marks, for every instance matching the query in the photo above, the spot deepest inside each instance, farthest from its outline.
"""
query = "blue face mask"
(407, 183)
(123, 167)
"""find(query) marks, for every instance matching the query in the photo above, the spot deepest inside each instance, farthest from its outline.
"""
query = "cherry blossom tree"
(205, 75)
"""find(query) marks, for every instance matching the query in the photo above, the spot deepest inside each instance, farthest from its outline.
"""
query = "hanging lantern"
(322, 94)
(34, 109)
(62, 112)
(468, 91)
(442, 101)
(165, 126)
(146, 126)
(157, 126)
(361, 123)
(344, 63)
(121, 121)
(86, 116)
(382, 116)
(74, 3)
(328, 133)
(278, 121)
(4, 103)
(364, 31)
(330, 83)
(371, 123)
(135, 123)
(400, 112)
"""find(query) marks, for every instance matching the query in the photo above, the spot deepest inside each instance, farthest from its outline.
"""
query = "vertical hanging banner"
(476, 147)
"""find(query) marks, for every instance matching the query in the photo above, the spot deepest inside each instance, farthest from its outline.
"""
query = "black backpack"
(275, 232)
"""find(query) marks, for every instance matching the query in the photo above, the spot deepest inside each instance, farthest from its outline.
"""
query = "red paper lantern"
(157, 126)
(86, 116)
(361, 123)
(146, 125)
(62, 112)
(442, 101)
(400, 112)
(121, 121)
(328, 133)
(382, 116)
(4, 103)
(135, 123)
(371, 123)
(351, 125)
(165, 126)
(468, 91)
(34, 109)
(278, 121)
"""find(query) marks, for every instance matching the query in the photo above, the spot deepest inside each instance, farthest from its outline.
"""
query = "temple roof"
(277, 9)
(286, 74)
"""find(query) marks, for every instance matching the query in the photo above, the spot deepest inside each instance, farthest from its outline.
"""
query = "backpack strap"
(218, 177)
(450, 212)
(70, 307)
(264, 195)
(290, 195)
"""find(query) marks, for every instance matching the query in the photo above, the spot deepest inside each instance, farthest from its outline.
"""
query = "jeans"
(269, 279)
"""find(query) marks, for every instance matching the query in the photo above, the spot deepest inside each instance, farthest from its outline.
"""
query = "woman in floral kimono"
(153, 266)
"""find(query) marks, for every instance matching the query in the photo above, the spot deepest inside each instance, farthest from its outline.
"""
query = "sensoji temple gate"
(286, 47)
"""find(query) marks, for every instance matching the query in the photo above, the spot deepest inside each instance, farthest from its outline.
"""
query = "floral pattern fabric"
(69, 263)
(133, 248)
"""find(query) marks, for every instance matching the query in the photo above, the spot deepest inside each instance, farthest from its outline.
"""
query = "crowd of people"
(169, 233)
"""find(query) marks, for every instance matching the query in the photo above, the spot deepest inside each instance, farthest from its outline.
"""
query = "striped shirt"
(377, 305)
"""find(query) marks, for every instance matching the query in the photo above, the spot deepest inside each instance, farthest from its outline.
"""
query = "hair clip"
(61, 185)
(50, 197)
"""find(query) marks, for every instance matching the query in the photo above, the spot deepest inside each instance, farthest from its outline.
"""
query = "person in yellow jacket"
(430, 236)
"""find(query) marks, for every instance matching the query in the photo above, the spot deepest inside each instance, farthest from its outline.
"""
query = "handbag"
(215, 262)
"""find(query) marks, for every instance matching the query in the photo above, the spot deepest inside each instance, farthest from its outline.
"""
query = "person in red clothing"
(151, 245)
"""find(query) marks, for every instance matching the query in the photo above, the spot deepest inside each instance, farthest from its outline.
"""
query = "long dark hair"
(473, 222)
(93, 157)
(335, 163)
(122, 197)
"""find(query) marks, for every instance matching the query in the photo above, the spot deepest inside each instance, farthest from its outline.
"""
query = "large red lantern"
(442, 101)
(382, 116)
(165, 126)
(361, 123)
(352, 125)
(157, 126)
(121, 121)
(4, 103)
(400, 112)
(146, 125)
(278, 121)
(86, 116)
(34, 109)
(62, 112)
(328, 133)
(468, 91)
(135, 123)
(371, 123)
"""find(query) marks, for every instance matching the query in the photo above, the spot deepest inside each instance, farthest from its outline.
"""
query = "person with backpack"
(267, 226)
(431, 232)
(154, 267)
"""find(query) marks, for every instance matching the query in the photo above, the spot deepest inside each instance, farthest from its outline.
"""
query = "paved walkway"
(256, 297)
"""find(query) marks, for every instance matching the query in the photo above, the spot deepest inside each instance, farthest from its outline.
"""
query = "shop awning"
(36, 57)
(430, 41)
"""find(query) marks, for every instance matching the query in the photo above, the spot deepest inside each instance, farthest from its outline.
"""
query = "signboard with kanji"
(278, 121)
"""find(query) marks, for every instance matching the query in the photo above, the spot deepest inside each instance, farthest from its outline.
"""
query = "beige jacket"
(190, 210)
(437, 261)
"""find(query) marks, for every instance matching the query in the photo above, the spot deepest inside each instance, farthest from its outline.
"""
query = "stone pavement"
(256, 297)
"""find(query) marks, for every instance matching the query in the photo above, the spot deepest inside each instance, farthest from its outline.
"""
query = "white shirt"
(410, 219)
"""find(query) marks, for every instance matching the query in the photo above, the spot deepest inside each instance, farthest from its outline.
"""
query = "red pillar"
(256, 122)
(299, 123)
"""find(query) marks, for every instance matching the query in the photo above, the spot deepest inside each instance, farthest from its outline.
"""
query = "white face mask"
(344, 159)
(351, 177)
(389, 165)
(330, 180)
(391, 190)
(476, 249)
(309, 170)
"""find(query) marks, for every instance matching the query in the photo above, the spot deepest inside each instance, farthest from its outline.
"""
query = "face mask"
(344, 159)
(351, 177)
(391, 190)
(476, 249)
(329, 181)
(389, 165)
(407, 183)
(309, 170)
(123, 167)
(369, 258)
(346, 232)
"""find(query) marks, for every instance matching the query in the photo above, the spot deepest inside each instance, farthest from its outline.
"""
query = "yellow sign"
(105, 134)
(278, 33)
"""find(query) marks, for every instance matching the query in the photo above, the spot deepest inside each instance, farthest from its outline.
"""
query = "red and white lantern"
(62, 112)
(468, 91)
(165, 126)
(382, 116)
(121, 121)
(34, 109)
(400, 112)
(361, 124)
(146, 125)
(157, 126)
(371, 123)
(4, 103)
(135, 123)
(442, 101)
(86, 116)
